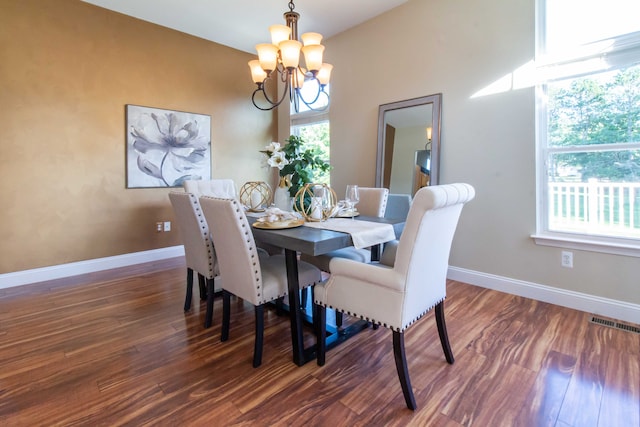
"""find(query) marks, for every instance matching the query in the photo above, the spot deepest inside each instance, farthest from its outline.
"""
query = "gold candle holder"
(255, 195)
(315, 202)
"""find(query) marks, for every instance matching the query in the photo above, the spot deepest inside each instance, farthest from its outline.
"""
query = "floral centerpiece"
(296, 164)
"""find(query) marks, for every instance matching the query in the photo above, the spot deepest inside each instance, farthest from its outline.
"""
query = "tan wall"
(458, 48)
(67, 69)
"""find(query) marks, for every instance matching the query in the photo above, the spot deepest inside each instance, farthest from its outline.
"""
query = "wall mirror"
(409, 144)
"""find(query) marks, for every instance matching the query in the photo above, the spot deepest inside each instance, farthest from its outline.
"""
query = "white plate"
(347, 214)
(291, 223)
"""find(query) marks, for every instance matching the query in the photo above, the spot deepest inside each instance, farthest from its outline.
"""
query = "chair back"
(373, 201)
(198, 248)
(423, 251)
(223, 188)
(398, 206)
(237, 253)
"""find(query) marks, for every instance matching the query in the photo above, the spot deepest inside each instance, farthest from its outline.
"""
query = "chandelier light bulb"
(268, 56)
(290, 53)
(313, 57)
(309, 39)
(324, 75)
(257, 73)
(279, 33)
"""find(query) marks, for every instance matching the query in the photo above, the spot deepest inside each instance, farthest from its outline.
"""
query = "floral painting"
(165, 147)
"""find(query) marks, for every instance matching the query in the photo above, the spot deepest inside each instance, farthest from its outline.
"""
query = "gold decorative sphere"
(255, 195)
(315, 202)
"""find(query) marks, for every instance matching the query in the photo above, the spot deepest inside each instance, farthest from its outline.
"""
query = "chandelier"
(280, 60)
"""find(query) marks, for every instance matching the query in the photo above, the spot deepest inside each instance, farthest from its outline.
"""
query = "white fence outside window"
(597, 208)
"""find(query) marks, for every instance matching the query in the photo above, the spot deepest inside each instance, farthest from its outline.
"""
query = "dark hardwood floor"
(115, 348)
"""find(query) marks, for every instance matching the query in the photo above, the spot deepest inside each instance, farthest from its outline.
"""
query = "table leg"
(297, 342)
(376, 251)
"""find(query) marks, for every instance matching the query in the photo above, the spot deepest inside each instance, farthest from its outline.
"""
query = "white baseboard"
(18, 278)
(620, 310)
(615, 309)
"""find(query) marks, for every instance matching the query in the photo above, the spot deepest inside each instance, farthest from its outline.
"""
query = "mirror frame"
(436, 119)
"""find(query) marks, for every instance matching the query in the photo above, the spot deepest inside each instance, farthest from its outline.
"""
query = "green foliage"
(304, 161)
(316, 137)
(594, 111)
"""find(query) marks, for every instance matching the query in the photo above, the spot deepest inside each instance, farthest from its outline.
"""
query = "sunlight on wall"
(575, 62)
(522, 77)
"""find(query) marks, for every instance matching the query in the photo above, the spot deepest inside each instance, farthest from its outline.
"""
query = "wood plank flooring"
(115, 348)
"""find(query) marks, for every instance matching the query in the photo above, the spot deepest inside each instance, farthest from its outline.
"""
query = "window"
(313, 127)
(588, 107)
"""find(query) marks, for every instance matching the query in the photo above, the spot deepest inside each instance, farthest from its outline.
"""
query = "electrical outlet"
(167, 226)
(159, 227)
(567, 259)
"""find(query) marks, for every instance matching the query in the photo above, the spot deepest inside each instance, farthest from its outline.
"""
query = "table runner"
(363, 233)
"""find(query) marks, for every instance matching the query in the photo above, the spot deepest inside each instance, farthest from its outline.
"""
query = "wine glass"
(352, 198)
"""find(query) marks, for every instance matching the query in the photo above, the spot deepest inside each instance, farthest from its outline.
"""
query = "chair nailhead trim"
(398, 329)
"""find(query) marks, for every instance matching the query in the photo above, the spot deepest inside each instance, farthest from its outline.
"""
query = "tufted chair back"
(239, 262)
(373, 201)
(198, 248)
(224, 188)
(398, 206)
(199, 252)
(422, 257)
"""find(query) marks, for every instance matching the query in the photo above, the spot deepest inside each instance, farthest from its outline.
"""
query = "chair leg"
(187, 300)
(403, 371)
(321, 334)
(339, 317)
(442, 332)
(209, 316)
(226, 315)
(257, 347)
(314, 310)
(303, 298)
(203, 287)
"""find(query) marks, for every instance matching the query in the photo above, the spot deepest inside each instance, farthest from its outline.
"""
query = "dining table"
(312, 241)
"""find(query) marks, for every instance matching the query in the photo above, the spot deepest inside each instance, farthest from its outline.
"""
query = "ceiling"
(242, 24)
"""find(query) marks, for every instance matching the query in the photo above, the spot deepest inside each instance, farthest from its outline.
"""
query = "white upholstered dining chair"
(397, 295)
(200, 255)
(257, 280)
(224, 188)
(398, 205)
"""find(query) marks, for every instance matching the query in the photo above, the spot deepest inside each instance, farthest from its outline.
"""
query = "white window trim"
(548, 70)
(309, 117)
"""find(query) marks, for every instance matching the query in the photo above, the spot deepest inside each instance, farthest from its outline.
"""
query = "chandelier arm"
(314, 99)
(309, 104)
(274, 104)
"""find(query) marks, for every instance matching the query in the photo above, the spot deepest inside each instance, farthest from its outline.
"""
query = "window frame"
(554, 67)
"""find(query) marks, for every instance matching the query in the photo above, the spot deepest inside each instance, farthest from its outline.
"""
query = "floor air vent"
(616, 325)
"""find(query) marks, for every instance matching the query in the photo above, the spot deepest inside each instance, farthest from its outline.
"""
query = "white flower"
(278, 160)
(274, 147)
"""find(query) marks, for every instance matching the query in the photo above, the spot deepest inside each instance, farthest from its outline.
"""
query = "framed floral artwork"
(166, 147)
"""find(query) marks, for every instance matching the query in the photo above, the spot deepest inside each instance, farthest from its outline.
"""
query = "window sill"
(587, 244)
